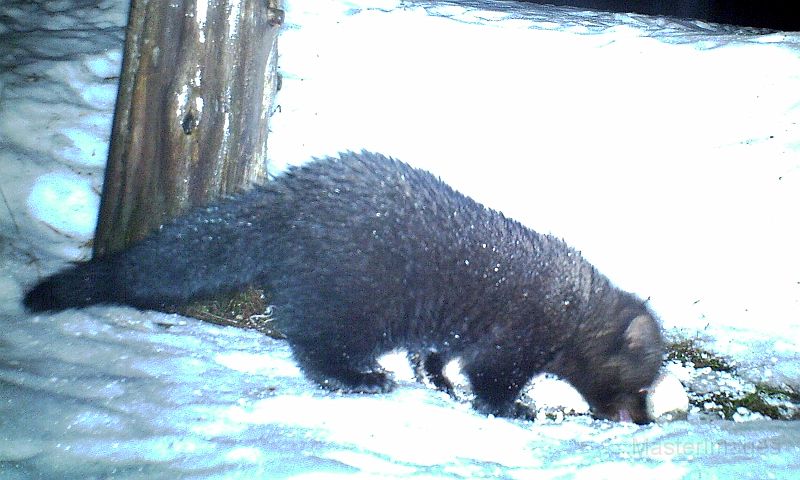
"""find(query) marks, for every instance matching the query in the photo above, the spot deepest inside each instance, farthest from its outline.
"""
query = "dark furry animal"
(365, 254)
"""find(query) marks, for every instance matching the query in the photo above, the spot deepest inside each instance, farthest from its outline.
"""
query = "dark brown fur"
(365, 254)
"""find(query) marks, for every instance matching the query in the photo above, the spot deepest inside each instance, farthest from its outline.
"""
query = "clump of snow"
(553, 398)
(667, 398)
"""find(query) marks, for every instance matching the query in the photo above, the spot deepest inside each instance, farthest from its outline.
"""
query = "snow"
(667, 151)
(66, 202)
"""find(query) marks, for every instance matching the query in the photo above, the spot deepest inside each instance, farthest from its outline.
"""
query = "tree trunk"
(196, 90)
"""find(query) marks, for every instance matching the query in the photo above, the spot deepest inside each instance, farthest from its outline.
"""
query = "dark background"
(773, 14)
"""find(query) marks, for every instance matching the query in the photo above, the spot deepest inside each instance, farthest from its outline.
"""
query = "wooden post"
(196, 91)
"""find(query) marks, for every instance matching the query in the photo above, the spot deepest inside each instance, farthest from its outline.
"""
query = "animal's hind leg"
(336, 367)
(335, 342)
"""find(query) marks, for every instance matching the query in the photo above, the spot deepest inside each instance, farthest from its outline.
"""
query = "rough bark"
(191, 119)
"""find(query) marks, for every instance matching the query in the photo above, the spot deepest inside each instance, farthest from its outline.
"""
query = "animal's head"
(615, 366)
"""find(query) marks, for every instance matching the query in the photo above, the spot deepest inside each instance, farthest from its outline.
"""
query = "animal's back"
(418, 260)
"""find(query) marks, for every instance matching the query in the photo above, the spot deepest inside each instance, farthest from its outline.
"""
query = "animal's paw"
(514, 409)
(373, 382)
(376, 381)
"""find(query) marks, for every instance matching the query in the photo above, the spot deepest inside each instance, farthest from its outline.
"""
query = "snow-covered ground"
(668, 152)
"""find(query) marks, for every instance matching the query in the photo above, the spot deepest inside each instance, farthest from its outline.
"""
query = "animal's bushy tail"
(81, 285)
(211, 250)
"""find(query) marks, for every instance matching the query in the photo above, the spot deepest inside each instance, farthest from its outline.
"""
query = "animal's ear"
(641, 332)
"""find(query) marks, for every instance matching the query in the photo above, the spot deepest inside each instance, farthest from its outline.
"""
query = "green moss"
(686, 351)
(723, 402)
(783, 396)
(781, 403)
(783, 393)
(763, 400)
(756, 403)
